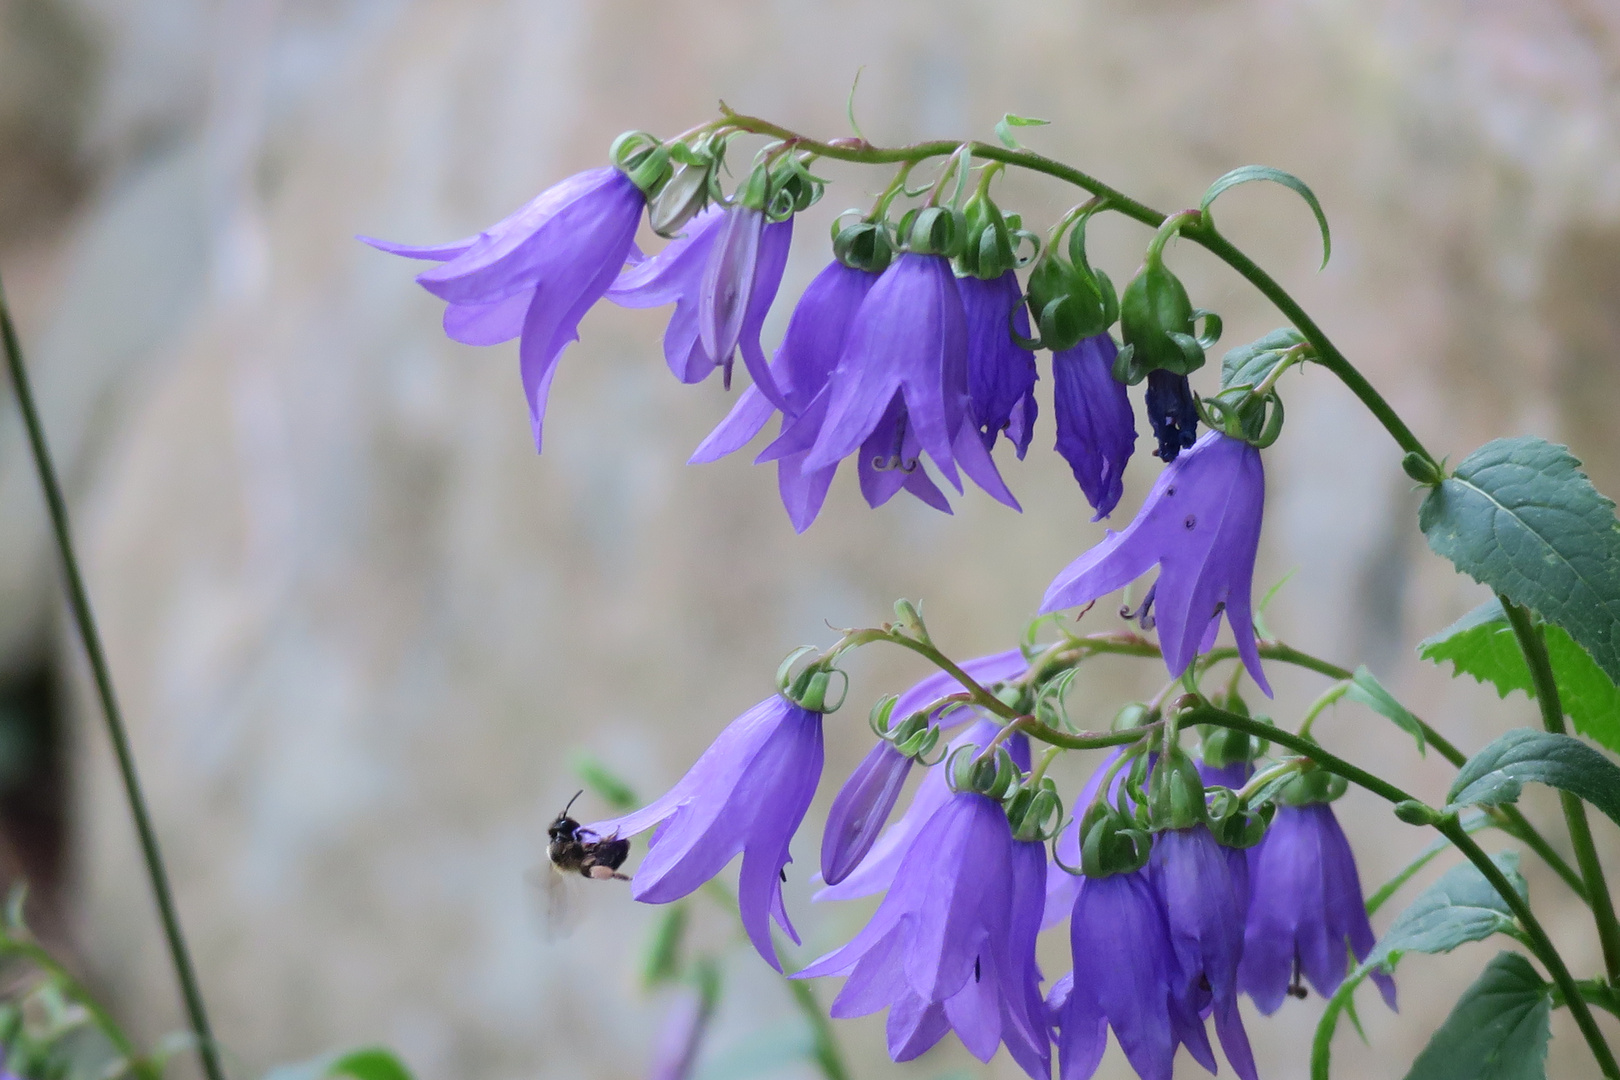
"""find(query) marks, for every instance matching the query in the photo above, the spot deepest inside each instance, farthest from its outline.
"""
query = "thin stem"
(1448, 827)
(1534, 647)
(1201, 232)
(79, 601)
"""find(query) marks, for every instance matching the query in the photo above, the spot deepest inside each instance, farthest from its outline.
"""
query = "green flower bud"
(988, 248)
(1035, 813)
(933, 230)
(1110, 843)
(681, 199)
(992, 775)
(1235, 824)
(1423, 469)
(1313, 786)
(1176, 792)
(864, 246)
(1414, 812)
(1158, 323)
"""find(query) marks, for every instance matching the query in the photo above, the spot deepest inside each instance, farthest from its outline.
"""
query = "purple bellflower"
(815, 336)
(1205, 890)
(1062, 887)
(1001, 373)
(1201, 526)
(864, 803)
(1096, 429)
(1172, 413)
(747, 793)
(876, 871)
(899, 389)
(722, 275)
(1306, 906)
(535, 274)
(940, 952)
(1124, 969)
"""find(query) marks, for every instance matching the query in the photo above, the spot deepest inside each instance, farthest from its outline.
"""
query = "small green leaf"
(662, 962)
(1499, 772)
(1459, 908)
(369, 1063)
(1288, 180)
(1519, 516)
(1248, 365)
(1497, 1031)
(1005, 125)
(1367, 690)
(1483, 645)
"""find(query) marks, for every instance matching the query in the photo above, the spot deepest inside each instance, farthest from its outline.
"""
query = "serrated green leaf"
(1519, 516)
(1459, 908)
(1498, 1029)
(1483, 645)
(1366, 689)
(1499, 772)
(1005, 125)
(1246, 173)
(1248, 365)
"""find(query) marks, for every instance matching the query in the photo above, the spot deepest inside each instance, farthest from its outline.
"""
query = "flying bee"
(576, 850)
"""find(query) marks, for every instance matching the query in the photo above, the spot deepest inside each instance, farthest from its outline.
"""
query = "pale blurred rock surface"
(359, 626)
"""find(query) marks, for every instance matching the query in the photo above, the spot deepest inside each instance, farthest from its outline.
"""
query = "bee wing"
(560, 914)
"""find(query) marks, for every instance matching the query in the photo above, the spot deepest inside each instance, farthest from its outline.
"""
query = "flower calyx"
(991, 240)
(1312, 784)
(933, 230)
(914, 737)
(809, 688)
(644, 159)
(1068, 300)
(1176, 792)
(1157, 319)
(1111, 842)
(694, 183)
(1235, 823)
(780, 185)
(969, 769)
(1035, 811)
(1222, 747)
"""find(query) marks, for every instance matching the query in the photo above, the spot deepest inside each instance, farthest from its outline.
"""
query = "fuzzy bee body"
(575, 850)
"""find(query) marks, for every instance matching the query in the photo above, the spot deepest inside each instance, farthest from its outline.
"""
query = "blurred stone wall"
(359, 626)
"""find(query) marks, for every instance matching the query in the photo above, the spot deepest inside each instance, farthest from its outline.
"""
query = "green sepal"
(1235, 823)
(1176, 792)
(643, 159)
(993, 776)
(1035, 814)
(1111, 843)
(865, 245)
(1157, 320)
(1310, 786)
(933, 230)
(988, 248)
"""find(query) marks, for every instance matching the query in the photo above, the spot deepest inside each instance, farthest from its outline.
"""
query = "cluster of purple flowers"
(887, 364)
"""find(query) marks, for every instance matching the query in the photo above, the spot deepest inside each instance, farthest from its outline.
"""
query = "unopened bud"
(1414, 812)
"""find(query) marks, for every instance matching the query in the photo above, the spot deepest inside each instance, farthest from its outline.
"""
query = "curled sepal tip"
(810, 688)
(1110, 843)
(1234, 823)
(642, 158)
(1035, 811)
(992, 775)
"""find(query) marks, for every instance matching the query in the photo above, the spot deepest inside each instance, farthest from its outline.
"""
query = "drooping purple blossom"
(1001, 373)
(1063, 887)
(1096, 429)
(864, 803)
(1306, 913)
(877, 870)
(1205, 892)
(815, 337)
(747, 793)
(1201, 526)
(722, 275)
(1172, 413)
(1124, 970)
(945, 948)
(899, 389)
(534, 274)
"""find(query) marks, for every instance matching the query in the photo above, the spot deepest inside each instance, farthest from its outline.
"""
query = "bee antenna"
(571, 802)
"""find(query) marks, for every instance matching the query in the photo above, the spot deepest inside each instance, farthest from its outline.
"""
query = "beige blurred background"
(359, 626)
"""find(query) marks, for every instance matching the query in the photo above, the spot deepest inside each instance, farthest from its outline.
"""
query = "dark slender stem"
(1201, 232)
(1448, 827)
(1534, 647)
(79, 601)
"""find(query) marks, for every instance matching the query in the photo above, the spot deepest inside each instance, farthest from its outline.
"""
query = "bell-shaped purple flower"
(877, 869)
(535, 274)
(1201, 526)
(1125, 969)
(1062, 887)
(1305, 909)
(1205, 892)
(1172, 413)
(815, 337)
(900, 389)
(939, 953)
(722, 275)
(747, 793)
(1096, 429)
(1001, 373)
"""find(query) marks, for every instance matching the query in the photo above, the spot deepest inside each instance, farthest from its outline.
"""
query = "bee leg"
(606, 873)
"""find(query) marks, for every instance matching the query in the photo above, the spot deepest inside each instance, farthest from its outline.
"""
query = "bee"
(574, 849)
